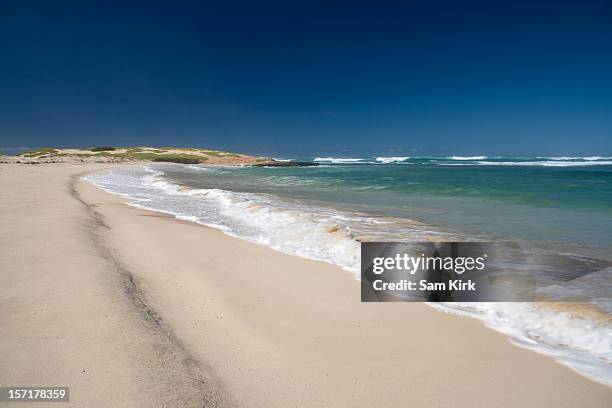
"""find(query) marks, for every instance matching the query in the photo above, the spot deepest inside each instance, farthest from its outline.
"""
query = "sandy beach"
(131, 308)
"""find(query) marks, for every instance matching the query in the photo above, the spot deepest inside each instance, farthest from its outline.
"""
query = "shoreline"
(294, 332)
(567, 337)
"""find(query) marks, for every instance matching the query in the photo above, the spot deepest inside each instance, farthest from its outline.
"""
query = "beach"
(132, 308)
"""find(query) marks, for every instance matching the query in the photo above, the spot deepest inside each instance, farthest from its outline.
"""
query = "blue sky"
(435, 77)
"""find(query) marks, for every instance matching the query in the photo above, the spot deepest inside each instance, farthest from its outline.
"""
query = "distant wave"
(555, 161)
(544, 158)
(282, 160)
(587, 158)
(395, 159)
(467, 157)
(337, 160)
(549, 163)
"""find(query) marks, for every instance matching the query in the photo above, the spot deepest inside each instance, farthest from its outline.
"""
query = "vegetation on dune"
(102, 148)
(208, 152)
(157, 157)
(39, 152)
(185, 155)
(179, 158)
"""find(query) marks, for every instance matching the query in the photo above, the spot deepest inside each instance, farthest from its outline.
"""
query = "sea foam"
(467, 157)
(547, 163)
(387, 160)
(338, 160)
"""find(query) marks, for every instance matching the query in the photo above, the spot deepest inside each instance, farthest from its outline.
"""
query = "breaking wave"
(467, 157)
(560, 161)
(549, 163)
(337, 160)
(386, 160)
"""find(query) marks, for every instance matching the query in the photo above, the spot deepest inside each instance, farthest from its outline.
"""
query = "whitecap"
(387, 160)
(337, 160)
(467, 157)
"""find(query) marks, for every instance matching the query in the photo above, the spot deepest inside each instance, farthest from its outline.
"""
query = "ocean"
(551, 205)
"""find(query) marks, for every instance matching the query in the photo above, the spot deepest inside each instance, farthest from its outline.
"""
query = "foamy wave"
(282, 160)
(547, 163)
(289, 226)
(587, 158)
(387, 160)
(532, 163)
(337, 160)
(287, 229)
(467, 157)
(309, 232)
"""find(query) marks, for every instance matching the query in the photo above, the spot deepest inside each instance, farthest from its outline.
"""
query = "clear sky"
(431, 77)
